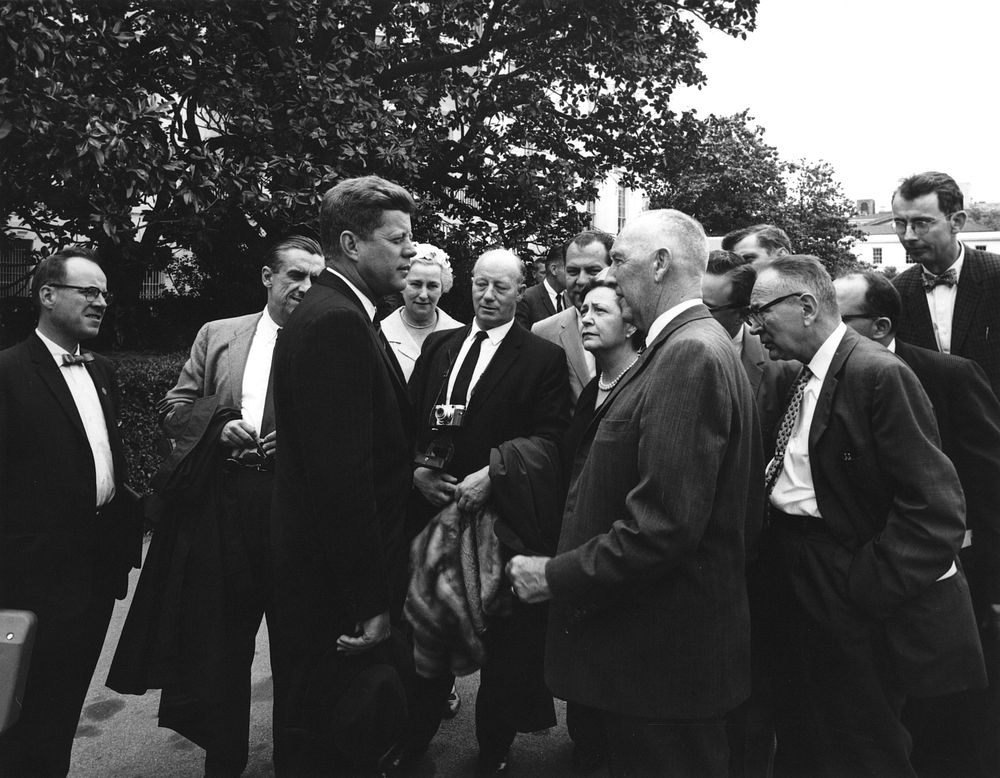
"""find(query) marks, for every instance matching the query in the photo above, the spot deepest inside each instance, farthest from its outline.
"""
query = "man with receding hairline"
(649, 620)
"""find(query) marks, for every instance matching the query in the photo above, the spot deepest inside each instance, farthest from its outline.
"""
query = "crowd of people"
(741, 516)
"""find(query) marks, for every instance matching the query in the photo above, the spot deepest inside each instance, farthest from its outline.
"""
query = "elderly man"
(69, 534)
(868, 519)
(759, 243)
(545, 298)
(951, 732)
(343, 473)
(648, 618)
(222, 392)
(512, 385)
(950, 298)
(587, 254)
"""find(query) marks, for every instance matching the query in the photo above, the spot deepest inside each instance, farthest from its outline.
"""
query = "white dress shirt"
(369, 306)
(553, 295)
(661, 321)
(494, 337)
(941, 304)
(88, 404)
(258, 370)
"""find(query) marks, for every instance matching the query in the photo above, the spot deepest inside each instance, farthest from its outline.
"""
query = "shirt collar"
(369, 306)
(54, 348)
(819, 365)
(891, 345)
(738, 337)
(495, 335)
(661, 321)
(266, 326)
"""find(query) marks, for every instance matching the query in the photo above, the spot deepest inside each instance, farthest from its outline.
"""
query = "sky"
(880, 89)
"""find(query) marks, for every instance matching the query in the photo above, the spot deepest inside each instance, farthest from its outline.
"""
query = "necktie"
(267, 418)
(785, 430)
(560, 306)
(947, 278)
(76, 359)
(459, 395)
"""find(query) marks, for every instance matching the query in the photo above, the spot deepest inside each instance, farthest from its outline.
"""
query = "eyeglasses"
(90, 293)
(726, 307)
(753, 314)
(920, 225)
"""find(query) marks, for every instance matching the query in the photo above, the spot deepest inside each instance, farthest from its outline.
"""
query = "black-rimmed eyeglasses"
(90, 293)
(753, 313)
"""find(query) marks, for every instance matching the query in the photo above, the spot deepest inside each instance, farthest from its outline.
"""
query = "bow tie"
(76, 359)
(947, 278)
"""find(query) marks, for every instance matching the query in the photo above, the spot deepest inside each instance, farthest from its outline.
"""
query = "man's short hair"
(769, 237)
(950, 198)
(721, 261)
(555, 256)
(585, 238)
(356, 205)
(738, 270)
(881, 297)
(274, 259)
(52, 269)
(809, 274)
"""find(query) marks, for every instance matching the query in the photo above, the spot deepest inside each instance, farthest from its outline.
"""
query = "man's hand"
(269, 443)
(238, 434)
(474, 490)
(527, 578)
(370, 634)
(438, 488)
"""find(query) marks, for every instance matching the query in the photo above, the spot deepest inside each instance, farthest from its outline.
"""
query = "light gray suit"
(563, 329)
(215, 367)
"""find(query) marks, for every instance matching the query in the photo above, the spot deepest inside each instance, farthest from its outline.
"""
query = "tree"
(222, 123)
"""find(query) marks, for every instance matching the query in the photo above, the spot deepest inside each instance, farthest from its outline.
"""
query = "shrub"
(143, 379)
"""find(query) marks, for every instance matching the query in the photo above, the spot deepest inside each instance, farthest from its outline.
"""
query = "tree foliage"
(220, 123)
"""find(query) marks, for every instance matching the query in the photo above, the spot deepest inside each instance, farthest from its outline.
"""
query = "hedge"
(143, 379)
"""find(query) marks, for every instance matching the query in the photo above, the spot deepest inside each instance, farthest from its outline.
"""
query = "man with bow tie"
(69, 533)
(950, 296)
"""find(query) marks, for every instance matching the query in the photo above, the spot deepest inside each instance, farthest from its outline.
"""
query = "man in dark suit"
(956, 729)
(950, 298)
(648, 616)
(231, 359)
(513, 385)
(545, 298)
(868, 517)
(343, 469)
(69, 531)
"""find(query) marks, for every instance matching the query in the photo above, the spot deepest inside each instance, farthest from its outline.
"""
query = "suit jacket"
(55, 553)
(649, 613)
(770, 380)
(341, 481)
(975, 332)
(968, 417)
(563, 329)
(534, 305)
(893, 500)
(216, 365)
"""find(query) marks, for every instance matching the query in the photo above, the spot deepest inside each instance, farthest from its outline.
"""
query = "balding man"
(758, 244)
(509, 384)
(649, 619)
(867, 516)
(950, 733)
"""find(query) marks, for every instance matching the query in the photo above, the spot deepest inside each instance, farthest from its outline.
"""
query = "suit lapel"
(237, 353)
(752, 357)
(824, 403)
(970, 289)
(915, 302)
(104, 393)
(569, 337)
(48, 370)
(506, 355)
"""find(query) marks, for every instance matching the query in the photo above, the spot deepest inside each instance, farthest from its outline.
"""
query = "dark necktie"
(76, 359)
(267, 418)
(947, 278)
(459, 395)
(785, 430)
(560, 306)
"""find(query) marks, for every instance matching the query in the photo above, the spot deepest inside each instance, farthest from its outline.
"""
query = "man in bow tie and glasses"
(866, 519)
(69, 533)
(950, 295)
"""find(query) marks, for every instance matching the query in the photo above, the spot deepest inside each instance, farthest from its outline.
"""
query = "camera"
(446, 415)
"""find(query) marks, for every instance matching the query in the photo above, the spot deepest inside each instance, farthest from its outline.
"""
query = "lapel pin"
(104, 391)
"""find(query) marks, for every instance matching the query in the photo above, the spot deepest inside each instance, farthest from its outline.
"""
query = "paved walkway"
(118, 736)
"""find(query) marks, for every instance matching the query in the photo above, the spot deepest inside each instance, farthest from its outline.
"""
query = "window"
(876, 256)
(591, 213)
(621, 206)
(16, 265)
(152, 285)
(981, 247)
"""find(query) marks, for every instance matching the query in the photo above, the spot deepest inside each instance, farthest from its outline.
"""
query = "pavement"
(118, 735)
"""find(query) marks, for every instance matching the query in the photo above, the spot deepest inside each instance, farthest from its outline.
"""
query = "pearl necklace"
(411, 325)
(607, 387)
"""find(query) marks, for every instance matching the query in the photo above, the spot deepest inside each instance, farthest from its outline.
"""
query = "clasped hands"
(440, 488)
(241, 435)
